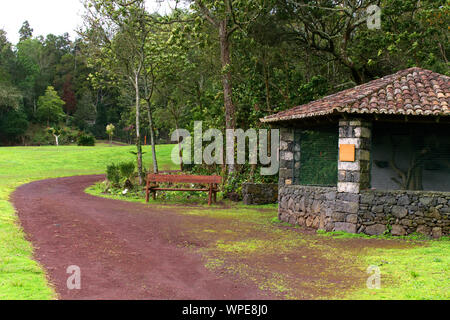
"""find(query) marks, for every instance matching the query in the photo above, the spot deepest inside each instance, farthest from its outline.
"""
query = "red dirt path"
(122, 248)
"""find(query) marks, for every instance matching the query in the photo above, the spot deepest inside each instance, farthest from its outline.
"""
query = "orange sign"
(347, 152)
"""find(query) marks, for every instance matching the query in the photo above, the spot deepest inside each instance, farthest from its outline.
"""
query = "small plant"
(86, 140)
(56, 132)
(120, 175)
(126, 172)
(126, 169)
(275, 220)
(113, 174)
(388, 230)
(110, 128)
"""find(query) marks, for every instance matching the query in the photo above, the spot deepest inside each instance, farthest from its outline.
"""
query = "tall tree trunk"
(152, 137)
(230, 120)
(138, 135)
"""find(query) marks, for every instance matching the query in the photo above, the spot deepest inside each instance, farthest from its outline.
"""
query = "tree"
(13, 124)
(337, 32)
(7, 59)
(29, 72)
(69, 96)
(85, 114)
(110, 128)
(56, 132)
(118, 34)
(25, 32)
(50, 107)
(227, 16)
(10, 97)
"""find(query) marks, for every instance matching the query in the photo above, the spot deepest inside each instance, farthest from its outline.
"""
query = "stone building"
(371, 159)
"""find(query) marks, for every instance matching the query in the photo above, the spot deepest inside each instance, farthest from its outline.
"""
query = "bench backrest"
(184, 178)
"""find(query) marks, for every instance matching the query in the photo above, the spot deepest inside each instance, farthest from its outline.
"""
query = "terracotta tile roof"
(413, 91)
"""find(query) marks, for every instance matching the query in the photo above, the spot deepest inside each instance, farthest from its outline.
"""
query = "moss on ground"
(250, 243)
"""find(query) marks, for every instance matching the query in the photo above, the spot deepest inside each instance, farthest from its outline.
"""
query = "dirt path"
(130, 250)
(123, 249)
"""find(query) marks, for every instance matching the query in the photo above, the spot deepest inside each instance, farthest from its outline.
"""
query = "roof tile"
(412, 91)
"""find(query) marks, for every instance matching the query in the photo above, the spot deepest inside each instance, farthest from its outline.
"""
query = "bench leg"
(210, 194)
(147, 192)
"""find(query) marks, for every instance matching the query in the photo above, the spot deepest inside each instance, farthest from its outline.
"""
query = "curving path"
(124, 250)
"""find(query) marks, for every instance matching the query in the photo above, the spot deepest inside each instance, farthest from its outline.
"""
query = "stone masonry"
(287, 146)
(259, 193)
(352, 206)
(355, 176)
(404, 212)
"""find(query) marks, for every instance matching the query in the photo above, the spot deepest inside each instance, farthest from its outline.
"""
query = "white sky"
(46, 16)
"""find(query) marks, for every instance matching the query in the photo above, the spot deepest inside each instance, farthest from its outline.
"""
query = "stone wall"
(259, 193)
(307, 206)
(319, 207)
(370, 212)
(405, 212)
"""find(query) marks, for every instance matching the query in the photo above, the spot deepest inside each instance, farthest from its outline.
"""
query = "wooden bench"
(212, 181)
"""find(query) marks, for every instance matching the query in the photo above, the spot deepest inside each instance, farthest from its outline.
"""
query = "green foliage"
(86, 140)
(110, 128)
(113, 174)
(120, 175)
(50, 107)
(25, 32)
(13, 124)
(85, 113)
(9, 97)
(233, 183)
(282, 54)
(127, 169)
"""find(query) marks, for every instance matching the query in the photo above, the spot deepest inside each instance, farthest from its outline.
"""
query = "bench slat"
(184, 178)
(178, 189)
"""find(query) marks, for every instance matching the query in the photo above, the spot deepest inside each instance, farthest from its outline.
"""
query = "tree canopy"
(225, 62)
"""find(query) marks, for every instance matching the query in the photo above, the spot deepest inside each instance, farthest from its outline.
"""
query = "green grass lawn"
(20, 276)
(418, 270)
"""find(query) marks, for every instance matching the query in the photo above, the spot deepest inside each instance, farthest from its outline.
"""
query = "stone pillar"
(286, 156)
(355, 176)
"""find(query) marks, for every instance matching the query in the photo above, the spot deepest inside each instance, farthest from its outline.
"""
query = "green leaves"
(10, 97)
(50, 107)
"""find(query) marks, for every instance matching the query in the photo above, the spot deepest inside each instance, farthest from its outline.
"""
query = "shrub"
(86, 140)
(126, 169)
(120, 175)
(113, 174)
